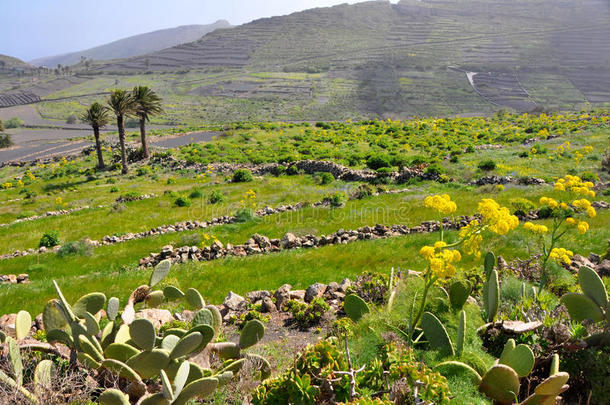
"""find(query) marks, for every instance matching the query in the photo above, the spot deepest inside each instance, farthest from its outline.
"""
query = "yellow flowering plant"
(443, 257)
(564, 214)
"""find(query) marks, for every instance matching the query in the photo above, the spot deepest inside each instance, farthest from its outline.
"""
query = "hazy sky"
(31, 29)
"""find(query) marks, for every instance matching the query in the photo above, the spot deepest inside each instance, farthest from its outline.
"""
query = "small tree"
(97, 117)
(122, 104)
(146, 103)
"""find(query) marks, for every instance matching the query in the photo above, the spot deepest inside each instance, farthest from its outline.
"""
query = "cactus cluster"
(501, 382)
(592, 305)
(130, 347)
(42, 373)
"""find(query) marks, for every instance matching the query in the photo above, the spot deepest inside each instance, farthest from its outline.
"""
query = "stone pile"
(260, 244)
(14, 279)
(524, 181)
(338, 171)
(128, 198)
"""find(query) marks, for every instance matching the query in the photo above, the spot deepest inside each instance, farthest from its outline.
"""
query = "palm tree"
(122, 104)
(97, 117)
(147, 103)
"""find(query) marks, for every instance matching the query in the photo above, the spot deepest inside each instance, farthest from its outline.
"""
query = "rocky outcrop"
(14, 279)
(524, 181)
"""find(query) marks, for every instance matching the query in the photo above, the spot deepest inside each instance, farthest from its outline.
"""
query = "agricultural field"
(368, 262)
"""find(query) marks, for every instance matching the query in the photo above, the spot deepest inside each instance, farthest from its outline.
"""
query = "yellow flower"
(500, 187)
(571, 221)
(540, 229)
(582, 227)
(427, 252)
(441, 203)
(472, 239)
(499, 219)
(591, 212)
(562, 255)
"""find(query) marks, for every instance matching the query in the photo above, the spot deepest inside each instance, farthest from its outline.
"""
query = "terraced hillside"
(376, 59)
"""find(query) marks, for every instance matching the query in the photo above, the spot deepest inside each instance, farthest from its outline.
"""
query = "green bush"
(242, 176)
(216, 197)
(5, 141)
(144, 171)
(292, 170)
(324, 178)
(13, 123)
(49, 239)
(363, 191)
(589, 176)
(195, 194)
(487, 165)
(244, 215)
(182, 202)
(521, 205)
(114, 189)
(434, 170)
(75, 248)
(375, 162)
(306, 315)
(335, 200)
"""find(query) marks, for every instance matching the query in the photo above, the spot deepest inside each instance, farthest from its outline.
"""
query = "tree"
(122, 104)
(147, 103)
(97, 116)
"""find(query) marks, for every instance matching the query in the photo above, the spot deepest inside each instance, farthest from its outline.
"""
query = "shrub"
(144, 171)
(182, 202)
(114, 189)
(190, 240)
(130, 196)
(335, 200)
(195, 194)
(80, 248)
(242, 176)
(454, 159)
(13, 123)
(244, 215)
(418, 160)
(216, 197)
(5, 141)
(521, 205)
(487, 165)
(434, 170)
(324, 178)
(72, 118)
(292, 170)
(49, 239)
(371, 287)
(399, 161)
(363, 190)
(375, 162)
(171, 180)
(589, 176)
(306, 315)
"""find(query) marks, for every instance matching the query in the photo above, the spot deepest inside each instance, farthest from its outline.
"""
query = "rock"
(254, 296)
(502, 263)
(603, 269)
(332, 287)
(595, 258)
(282, 295)
(268, 305)
(157, 316)
(233, 301)
(345, 284)
(579, 261)
(262, 241)
(167, 250)
(7, 323)
(216, 246)
(519, 327)
(298, 295)
(314, 291)
(289, 241)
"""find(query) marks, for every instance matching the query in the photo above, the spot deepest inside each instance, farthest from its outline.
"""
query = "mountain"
(136, 45)
(8, 63)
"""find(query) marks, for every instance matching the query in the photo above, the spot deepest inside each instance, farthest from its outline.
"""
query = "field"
(103, 222)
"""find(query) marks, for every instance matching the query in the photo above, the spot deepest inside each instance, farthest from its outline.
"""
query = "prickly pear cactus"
(436, 333)
(355, 307)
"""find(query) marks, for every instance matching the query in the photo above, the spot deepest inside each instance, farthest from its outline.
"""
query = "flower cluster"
(562, 255)
(249, 200)
(538, 229)
(498, 218)
(585, 206)
(575, 185)
(581, 226)
(472, 238)
(441, 259)
(441, 203)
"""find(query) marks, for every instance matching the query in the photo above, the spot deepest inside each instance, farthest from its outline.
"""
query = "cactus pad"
(355, 307)
(490, 262)
(552, 385)
(120, 351)
(112, 309)
(91, 303)
(154, 399)
(23, 324)
(200, 388)
(88, 347)
(172, 293)
(500, 383)
(154, 299)
(186, 345)
(581, 307)
(216, 318)
(207, 334)
(227, 350)
(436, 333)
(181, 377)
(521, 359)
(143, 334)
(203, 317)
(15, 359)
(91, 324)
(459, 292)
(194, 299)
(149, 364)
(261, 364)
(113, 397)
(461, 333)
(161, 270)
(52, 318)
(42, 374)
(59, 336)
(123, 369)
(169, 342)
(251, 334)
(491, 295)
(593, 286)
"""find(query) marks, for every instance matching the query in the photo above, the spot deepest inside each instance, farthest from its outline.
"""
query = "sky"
(35, 28)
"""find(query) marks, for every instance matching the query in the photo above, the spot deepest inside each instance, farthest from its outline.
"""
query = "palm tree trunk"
(121, 126)
(98, 147)
(145, 153)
